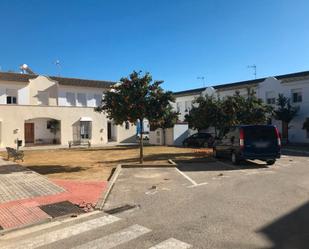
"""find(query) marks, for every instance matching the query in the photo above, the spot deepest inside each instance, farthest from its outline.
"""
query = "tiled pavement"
(22, 191)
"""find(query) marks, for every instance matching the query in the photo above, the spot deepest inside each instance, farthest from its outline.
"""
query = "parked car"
(201, 139)
(243, 142)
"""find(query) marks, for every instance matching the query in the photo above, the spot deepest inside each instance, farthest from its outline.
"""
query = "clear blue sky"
(175, 40)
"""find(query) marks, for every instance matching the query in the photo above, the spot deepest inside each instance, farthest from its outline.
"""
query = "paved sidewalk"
(23, 191)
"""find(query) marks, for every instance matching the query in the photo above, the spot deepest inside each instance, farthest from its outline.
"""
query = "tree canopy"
(138, 97)
(212, 111)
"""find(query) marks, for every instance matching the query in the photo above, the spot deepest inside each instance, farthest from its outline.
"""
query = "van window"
(263, 133)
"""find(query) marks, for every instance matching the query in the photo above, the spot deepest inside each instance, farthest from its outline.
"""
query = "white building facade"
(29, 104)
(295, 86)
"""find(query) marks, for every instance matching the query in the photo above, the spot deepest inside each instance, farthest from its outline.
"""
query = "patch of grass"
(97, 163)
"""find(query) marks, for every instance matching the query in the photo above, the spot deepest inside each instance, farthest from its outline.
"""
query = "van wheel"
(235, 159)
(270, 162)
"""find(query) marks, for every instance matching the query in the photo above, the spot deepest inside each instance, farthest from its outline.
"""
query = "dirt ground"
(97, 163)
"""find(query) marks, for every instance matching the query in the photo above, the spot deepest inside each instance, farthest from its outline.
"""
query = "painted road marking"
(29, 230)
(194, 183)
(63, 233)
(171, 244)
(116, 239)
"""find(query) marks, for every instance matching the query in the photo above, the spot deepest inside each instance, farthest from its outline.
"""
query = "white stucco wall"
(14, 116)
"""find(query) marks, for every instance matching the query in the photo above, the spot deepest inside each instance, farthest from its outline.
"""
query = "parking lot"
(218, 205)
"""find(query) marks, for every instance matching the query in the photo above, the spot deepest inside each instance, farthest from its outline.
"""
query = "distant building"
(294, 85)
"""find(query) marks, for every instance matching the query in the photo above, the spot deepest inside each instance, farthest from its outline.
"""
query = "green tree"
(285, 113)
(134, 99)
(233, 110)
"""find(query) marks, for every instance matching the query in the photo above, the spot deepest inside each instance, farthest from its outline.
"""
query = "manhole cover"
(61, 208)
(120, 209)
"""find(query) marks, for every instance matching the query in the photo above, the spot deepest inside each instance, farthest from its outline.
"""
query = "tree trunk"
(285, 131)
(141, 149)
(163, 131)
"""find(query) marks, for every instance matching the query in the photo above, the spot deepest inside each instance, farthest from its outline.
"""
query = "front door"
(109, 131)
(29, 133)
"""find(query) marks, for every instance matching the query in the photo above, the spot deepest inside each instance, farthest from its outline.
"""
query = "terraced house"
(41, 110)
(294, 85)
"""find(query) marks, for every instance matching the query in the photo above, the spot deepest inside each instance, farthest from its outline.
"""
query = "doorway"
(109, 131)
(29, 133)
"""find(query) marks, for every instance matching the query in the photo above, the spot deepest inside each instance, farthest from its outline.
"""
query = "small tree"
(134, 99)
(54, 127)
(285, 112)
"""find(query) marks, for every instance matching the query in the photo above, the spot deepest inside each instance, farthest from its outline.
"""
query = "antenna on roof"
(254, 69)
(58, 65)
(202, 78)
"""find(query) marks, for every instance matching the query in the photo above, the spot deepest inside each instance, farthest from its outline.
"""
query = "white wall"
(296, 133)
(41, 131)
(89, 91)
(182, 100)
(21, 88)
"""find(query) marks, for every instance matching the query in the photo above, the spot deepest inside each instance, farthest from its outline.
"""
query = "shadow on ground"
(54, 169)
(163, 156)
(218, 165)
(290, 230)
(12, 168)
(294, 153)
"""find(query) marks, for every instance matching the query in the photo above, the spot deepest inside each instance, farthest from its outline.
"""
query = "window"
(271, 98)
(127, 125)
(85, 129)
(71, 101)
(98, 99)
(43, 98)
(81, 99)
(296, 96)
(11, 96)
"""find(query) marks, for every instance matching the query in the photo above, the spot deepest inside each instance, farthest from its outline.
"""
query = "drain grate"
(61, 208)
(120, 209)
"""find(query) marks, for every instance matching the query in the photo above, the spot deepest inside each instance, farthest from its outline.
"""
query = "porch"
(42, 131)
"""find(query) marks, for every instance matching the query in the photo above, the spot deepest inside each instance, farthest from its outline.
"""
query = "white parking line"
(116, 239)
(194, 183)
(63, 233)
(171, 244)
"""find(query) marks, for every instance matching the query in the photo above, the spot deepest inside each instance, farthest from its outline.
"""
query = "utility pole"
(254, 69)
(203, 79)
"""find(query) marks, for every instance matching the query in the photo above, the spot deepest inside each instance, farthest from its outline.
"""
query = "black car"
(242, 142)
(201, 139)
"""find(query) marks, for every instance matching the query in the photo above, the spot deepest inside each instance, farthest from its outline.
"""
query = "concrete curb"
(101, 202)
(5, 231)
(111, 182)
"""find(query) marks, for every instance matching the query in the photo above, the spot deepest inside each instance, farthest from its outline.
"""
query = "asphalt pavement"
(196, 205)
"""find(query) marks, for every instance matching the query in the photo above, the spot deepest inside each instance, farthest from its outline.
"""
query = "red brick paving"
(25, 211)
